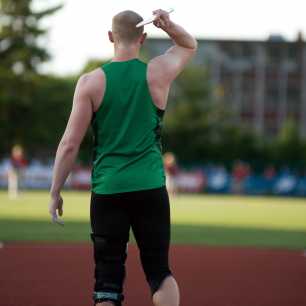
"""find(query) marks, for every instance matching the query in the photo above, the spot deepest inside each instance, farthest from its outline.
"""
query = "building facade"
(263, 82)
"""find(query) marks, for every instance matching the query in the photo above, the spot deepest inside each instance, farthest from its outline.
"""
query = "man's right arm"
(165, 68)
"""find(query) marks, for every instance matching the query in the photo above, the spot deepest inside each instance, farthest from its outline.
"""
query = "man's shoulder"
(93, 84)
(93, 77)
(92, 80)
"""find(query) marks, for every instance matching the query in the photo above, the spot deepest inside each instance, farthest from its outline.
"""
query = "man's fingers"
(156, 12)
(51, 211)
(60, 207)
(56, 220)
(157, 23)
(60, 211)
(161, 22)
(60, 222)
(56, 209)
(54, 217)
(165, 19)
(162, 19)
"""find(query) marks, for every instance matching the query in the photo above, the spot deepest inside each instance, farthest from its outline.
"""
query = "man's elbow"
(68, 146)
(194, 45)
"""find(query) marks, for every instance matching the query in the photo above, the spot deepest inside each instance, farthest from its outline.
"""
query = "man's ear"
(143, 38)
(110, 36)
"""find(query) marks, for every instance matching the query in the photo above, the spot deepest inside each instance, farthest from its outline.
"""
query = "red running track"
(61, 275)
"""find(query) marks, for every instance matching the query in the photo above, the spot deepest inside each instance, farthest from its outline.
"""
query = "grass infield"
(196, 219)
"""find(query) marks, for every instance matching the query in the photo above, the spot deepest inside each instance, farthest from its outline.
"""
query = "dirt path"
(61, 275)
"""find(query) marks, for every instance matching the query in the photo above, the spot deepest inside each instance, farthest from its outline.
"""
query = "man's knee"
(156, 268)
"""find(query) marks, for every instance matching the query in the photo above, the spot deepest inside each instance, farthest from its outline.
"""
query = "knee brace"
(110, 255)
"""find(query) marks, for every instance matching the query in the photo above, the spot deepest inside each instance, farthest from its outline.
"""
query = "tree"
(20, 29)
(20, 57)
(199, 127)
(288, 146)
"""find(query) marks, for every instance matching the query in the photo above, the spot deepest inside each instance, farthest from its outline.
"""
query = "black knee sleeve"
(110, 256)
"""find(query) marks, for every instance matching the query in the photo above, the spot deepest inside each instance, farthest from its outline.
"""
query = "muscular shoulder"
(154, 73)
(93, 85)
(166, 67)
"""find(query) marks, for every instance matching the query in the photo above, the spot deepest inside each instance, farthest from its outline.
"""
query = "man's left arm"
(68, 148)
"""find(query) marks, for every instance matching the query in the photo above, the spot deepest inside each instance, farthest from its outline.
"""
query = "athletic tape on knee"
(104, 296)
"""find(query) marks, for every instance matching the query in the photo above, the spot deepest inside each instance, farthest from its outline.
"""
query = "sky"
(78, 32)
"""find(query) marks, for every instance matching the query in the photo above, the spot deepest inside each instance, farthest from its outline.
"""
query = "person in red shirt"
(171, 170)
(18, 164)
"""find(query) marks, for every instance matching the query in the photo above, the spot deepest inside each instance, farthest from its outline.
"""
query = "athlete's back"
(127, 149)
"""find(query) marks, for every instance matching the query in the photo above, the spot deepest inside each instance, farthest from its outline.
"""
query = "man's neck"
(125, 53)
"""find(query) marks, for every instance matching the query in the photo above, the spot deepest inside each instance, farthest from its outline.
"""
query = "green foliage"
(49, 113)
(20, 55)
(289, 143)
(199, 127)
(20, 29)
(287, 148)
(37, 123)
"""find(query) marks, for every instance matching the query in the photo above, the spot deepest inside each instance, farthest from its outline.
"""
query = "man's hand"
(56, 208)
(162, 20)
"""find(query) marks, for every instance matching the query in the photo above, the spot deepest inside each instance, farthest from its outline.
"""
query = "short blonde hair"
(124, 27)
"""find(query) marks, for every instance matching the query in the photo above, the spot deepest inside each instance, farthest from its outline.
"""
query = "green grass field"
(197, 219)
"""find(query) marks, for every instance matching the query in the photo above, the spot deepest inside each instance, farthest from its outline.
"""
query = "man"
(125, 102)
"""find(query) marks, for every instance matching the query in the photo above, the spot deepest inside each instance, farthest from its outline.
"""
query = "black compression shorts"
(147, 213)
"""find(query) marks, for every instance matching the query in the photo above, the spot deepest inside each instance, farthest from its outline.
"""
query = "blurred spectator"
(15, 173)
(269, 176)
(190, 181)
(269, 173)
(171, 170)
(241, 171)
(286, 182)
(18, 158)
(217, 179)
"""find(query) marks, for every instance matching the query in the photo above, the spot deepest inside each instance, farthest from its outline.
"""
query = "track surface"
(61, 275)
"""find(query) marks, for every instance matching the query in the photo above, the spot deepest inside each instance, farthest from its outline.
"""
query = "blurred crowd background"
(240, 178)
(236, 120)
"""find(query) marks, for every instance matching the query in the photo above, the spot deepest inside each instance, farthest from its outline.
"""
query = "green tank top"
(127, 130)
